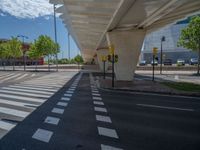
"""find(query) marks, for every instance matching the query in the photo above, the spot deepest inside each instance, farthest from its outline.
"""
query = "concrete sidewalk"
(140, 86)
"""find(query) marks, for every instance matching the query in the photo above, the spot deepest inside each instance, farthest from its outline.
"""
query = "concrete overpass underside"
(95, 24)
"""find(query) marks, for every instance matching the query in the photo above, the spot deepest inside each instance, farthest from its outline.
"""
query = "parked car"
(155, 62)
(142, 63)
(180, 62)
(193, 61)
(167, 62)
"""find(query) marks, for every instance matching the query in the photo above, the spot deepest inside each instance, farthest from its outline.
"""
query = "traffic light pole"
(153, 67)
(113, 73)
(104, 69)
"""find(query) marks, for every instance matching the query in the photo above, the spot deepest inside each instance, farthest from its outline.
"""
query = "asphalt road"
(81, 117)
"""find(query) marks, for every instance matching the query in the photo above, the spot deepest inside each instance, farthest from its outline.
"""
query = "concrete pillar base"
(128, 46)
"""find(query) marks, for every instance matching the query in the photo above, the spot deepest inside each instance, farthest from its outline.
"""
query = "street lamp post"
(24, 51)
(55, 31)
(161, 54)
(69, 46)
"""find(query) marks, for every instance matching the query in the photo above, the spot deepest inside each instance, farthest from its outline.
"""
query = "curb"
(196, 95)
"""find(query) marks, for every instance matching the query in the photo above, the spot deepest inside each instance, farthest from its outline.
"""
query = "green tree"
(78, 59)
(46, 47)
(34, 54)
(190, 37)
(14, 49)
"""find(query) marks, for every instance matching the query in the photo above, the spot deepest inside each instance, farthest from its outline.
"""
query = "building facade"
(170, 48)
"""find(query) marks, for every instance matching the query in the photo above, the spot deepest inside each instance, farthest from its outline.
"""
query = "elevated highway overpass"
(95, 24)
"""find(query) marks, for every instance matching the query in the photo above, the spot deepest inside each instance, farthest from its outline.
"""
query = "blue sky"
(32, 22)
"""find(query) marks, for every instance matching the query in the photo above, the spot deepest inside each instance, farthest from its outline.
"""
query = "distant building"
(170, 49)
(20, 61)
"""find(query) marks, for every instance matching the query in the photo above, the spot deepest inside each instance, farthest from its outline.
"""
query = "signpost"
(113, 59)
(104, 59)
(155, 51)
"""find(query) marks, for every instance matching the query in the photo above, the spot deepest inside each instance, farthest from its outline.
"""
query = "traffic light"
(109, 58)
(116, 58)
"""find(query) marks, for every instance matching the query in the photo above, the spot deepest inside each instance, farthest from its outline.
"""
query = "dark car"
(142, 63)
(193, 61)
(167, 62)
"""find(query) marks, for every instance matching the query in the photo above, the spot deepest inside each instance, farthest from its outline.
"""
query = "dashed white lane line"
(71, 89)
(57, 110)
(6, 125)
(164, 107)
(95, 94)
(70, 92)
(107, 132)
(62, 104)
(65, 99)
(52, 120)
(103, 118)
(14, 112)
(93, 91)
(98, 103)
(100, 109)
(106, 147)
(69, 95)
(96, 98)
(42, 135)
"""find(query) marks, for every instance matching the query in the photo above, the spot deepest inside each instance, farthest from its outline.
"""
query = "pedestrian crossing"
(16, 76)
(19, 100)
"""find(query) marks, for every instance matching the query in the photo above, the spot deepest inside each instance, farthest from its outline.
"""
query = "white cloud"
(27, 8)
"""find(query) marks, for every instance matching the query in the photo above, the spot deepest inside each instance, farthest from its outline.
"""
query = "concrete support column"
(101, 52)
(128, 46)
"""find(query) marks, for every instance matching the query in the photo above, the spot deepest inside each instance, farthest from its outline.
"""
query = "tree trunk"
(36, 65)
(198, 63)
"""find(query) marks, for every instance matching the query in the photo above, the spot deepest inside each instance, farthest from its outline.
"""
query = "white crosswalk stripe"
(19, 100)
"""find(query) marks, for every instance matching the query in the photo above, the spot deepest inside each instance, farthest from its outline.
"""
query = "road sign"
(155, 51)
(103, 58)
(111, 49)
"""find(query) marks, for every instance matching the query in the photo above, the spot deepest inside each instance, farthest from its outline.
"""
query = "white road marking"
(21, 104)
(96, 98)
(21, 77)
(14, 76)
(57, 110)
(100, 109)
(70, 92)
(98, 103)
(95, 94)
(65, 99)
(103, 118)
(107, 132)
(62, 104)
(33, 88)
(93, 91)
(70, 89)
(52, 120)
(30, 91)
(14, 112)
(106, 147)
(164, 107)
(6, 125)
(23, 98)
(24, 94)
(68, 95)
(33, 75)
(42, 135)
